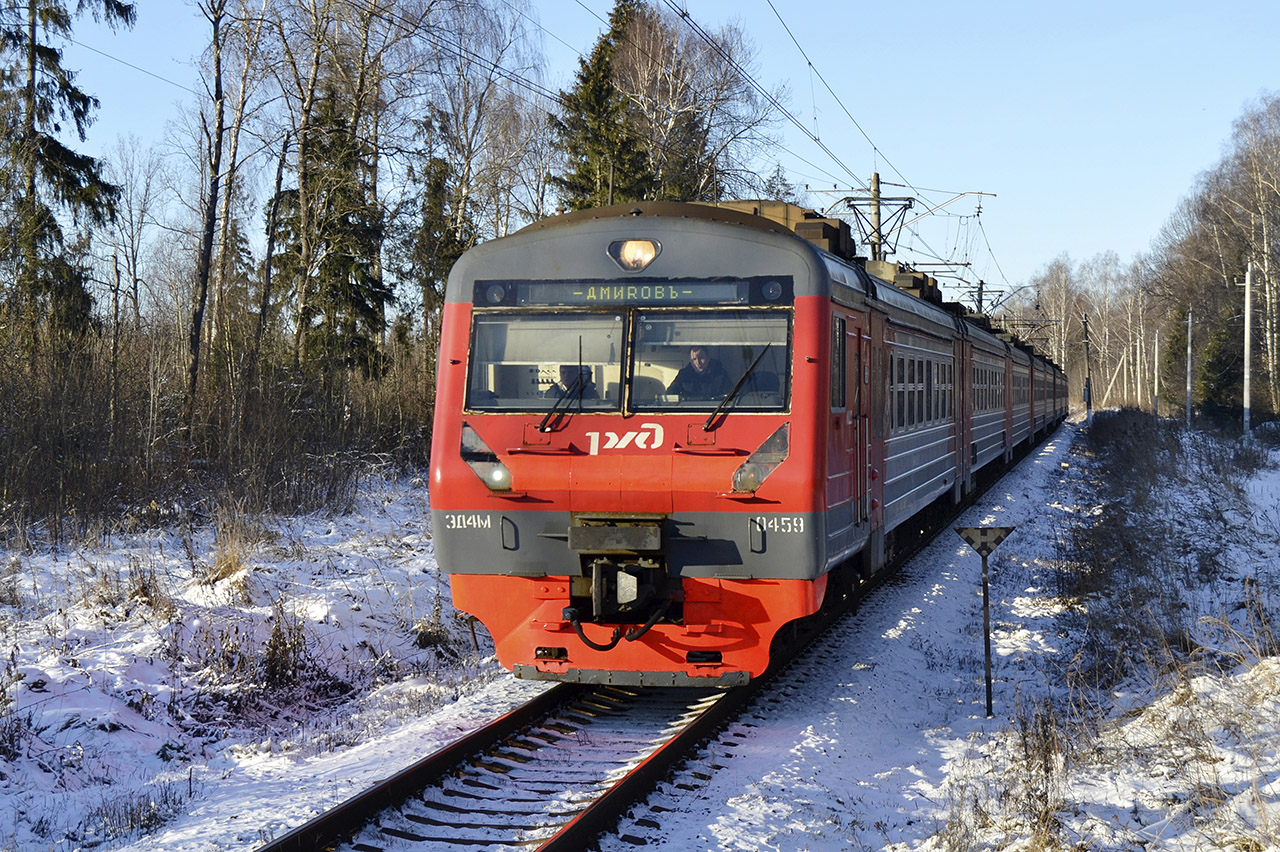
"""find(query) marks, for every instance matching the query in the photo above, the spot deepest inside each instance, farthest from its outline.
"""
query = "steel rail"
(602, 815)
(330, 827)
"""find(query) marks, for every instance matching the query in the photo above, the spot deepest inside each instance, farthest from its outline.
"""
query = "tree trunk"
(209, 219)
(264, 301)
(307, 85)
(28, 246)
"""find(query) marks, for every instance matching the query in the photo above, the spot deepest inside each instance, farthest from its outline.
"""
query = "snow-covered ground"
(211, 685)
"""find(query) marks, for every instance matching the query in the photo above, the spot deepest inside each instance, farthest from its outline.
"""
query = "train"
(666, 433)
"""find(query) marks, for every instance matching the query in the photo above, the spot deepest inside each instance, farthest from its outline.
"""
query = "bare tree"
(1245, 190)
(513, 187)
(244, 75)
(1058, 294)
(215, 12)
(477, 50)
(704, 120)
(301, 30)
(135, 170)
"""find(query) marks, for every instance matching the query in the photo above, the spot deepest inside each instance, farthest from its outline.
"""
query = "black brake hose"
(571, 615)
(633, 635)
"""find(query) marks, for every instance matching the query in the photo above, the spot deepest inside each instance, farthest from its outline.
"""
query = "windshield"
(693, 359)
(531, 362)
(679, 360)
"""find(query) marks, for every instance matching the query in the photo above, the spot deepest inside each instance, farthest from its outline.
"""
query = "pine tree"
(37, 94)
(607, 161)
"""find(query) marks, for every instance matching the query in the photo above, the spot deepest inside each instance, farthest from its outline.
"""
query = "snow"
(216, 683)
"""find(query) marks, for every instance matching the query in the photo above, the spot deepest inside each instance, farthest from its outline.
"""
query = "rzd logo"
(649, 437)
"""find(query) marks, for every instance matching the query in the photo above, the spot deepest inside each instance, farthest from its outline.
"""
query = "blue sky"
(1087, 121)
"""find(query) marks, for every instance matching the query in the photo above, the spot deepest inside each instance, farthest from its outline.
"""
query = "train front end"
(610, 512)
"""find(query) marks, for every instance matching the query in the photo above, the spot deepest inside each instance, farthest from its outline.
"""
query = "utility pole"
(1248, 342)
(1088, 373)
(877, 238)
(1190, 312)
(871, 223)
(876, 229)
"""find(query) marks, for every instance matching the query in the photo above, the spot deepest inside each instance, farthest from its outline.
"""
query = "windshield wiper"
(574, 390)
(733, 392)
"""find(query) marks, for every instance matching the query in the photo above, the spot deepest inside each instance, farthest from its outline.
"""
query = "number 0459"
(779, 523)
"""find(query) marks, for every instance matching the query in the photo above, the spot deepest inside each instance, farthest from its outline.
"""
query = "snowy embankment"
(208, 685)
(215, 684)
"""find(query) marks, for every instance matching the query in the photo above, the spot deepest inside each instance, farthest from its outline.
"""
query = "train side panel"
(1020, 381)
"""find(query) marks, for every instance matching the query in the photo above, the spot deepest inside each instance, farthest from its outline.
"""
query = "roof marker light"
(634, 255)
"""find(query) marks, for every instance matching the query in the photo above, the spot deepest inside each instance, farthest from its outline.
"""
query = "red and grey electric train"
(665, 431)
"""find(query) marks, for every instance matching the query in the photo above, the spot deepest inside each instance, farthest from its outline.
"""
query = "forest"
(248, 314)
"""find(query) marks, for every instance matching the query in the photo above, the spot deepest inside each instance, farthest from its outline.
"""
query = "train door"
(841, 446)
(859, 392)
(846, 435)
(878, 431)
(1006, 393)
(964, 413)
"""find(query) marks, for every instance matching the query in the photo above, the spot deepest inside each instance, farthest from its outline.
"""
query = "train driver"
(703, 377)
(585, 389)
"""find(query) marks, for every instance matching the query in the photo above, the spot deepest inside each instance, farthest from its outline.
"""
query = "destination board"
(633, 293)
(653, 292)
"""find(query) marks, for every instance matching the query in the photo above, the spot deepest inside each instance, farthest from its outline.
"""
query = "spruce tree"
(778, 188)
(344, 317)
(430, 240)
(37, 95)
(596, 131)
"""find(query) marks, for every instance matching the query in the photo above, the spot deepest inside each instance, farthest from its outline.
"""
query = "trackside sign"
(984, 539)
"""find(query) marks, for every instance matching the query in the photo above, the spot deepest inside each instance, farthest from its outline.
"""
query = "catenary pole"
(1155, 405)
(1189, 314)
(1248, 342)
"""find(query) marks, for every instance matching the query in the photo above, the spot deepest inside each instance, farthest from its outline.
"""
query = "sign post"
(985, 540)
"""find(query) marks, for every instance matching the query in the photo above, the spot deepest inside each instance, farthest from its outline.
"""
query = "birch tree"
(479, 53)
(703, 121)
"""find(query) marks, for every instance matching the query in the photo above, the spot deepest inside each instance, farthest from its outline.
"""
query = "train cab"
(620, 482)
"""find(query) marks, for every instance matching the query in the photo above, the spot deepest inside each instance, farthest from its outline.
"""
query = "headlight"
(483, 461)
(752, 473)
(634, 255)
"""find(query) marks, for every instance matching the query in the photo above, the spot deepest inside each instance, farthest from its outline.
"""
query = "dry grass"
(91, 443)
(132, 814)
(1158, 691)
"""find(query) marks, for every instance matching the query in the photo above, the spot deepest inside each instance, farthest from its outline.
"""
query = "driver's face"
(700, 359)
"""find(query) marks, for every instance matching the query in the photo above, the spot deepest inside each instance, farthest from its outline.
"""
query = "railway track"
(553, 774)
